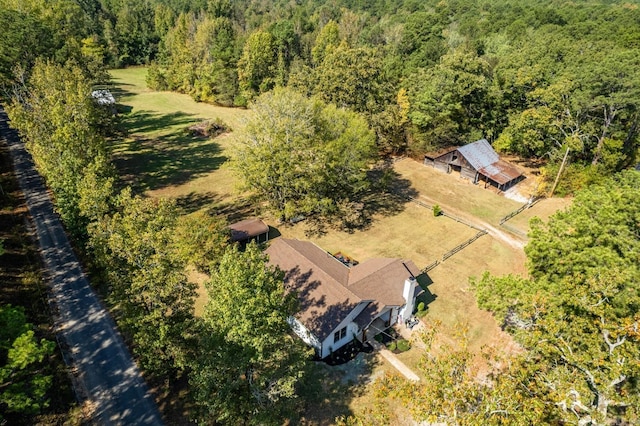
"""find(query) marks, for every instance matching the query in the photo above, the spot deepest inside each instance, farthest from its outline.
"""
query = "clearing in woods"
(160, 158)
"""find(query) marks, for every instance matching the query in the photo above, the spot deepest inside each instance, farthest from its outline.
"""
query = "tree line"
(542, 80)
(238, 356)
(139, 251)
(535, 80)
(339, 82)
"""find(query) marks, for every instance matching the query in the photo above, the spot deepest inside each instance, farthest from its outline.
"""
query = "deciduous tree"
(578, 314)
(24, 381)
(303, 156)
(249, 364)
(59, 122)
(136, 246)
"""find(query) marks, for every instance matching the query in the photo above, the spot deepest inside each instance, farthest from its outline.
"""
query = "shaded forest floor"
(22, 284)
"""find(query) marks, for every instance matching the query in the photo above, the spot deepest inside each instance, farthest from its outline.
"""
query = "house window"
(339, 335)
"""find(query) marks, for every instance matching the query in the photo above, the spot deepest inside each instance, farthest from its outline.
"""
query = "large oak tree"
(303, 156)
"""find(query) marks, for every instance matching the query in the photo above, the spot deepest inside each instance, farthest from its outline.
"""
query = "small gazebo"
(248, 229)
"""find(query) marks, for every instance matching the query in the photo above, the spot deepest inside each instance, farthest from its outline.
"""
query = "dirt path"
(492, 230)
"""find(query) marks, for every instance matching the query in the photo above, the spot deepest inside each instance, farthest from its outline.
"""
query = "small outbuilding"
(477, 161)
(248, 229)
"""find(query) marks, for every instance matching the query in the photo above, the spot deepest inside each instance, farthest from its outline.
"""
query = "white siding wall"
(352, 328)
(304, 334)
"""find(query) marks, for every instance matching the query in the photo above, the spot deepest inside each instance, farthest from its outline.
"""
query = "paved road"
(105, 372)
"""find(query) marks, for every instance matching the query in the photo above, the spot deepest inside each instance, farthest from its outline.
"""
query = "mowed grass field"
(160, 159)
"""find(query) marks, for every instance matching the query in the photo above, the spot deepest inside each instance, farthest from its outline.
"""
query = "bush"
(403, 345)
(420, 306)
(437, 211)
(209, 129)
(391, 346)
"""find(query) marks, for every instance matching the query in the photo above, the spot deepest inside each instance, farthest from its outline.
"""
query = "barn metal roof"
(482, 157)
(479, 154)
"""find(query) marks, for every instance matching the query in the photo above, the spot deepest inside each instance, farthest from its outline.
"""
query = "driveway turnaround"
(106, 375)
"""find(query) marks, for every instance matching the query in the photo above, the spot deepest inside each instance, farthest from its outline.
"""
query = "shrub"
(420, 306)
(209, 129)
(437, 211)
(403, 345)
(391, 346)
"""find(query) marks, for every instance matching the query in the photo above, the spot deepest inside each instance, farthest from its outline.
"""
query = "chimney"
(407, 293)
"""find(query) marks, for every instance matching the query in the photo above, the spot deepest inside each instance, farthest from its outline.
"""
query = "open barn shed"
(478, 162)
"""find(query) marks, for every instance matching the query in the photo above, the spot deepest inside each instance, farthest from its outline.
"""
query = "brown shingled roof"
(382, 280)
(328, 290)
(248, 228)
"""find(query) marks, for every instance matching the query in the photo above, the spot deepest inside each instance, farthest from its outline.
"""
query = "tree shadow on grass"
(387, 196)
(118, 90)
(148, 121)
(195, 201)
(172, 159)
(329, 390)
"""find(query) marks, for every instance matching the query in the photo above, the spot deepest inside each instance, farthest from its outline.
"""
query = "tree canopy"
(249, 364)
(303, 156)
(578, 313)
(60, 123)
(24, 381)
(531, 78)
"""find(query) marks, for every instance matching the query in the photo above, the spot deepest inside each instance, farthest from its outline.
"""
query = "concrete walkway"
(390, 356)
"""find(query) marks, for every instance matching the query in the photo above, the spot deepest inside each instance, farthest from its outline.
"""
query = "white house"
(338, 302)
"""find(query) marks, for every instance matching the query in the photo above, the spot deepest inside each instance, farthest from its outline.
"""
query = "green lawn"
(159, 157)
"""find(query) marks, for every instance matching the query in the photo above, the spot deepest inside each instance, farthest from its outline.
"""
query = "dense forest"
(545, 80)
(535, 79)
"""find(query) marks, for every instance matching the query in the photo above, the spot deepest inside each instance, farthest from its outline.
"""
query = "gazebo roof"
(248, 228)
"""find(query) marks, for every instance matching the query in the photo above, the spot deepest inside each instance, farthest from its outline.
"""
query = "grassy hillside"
(159, 157)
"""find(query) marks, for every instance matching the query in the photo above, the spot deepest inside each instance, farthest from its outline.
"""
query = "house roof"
(368, 314)
(248, 228)
(328, 290)
(378, 279)
(484, 159)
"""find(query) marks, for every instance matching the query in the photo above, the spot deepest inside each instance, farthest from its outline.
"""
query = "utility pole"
(564, 161)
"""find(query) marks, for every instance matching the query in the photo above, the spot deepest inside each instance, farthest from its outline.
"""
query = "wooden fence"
(532, 201)
(430, 266)
(463, 245)
(453, 251)
(444, 213)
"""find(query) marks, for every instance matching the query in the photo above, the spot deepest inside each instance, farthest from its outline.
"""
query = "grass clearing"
(162, 160)
(159, 157)
(451, 190)
(412, 234)
(542, 209)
